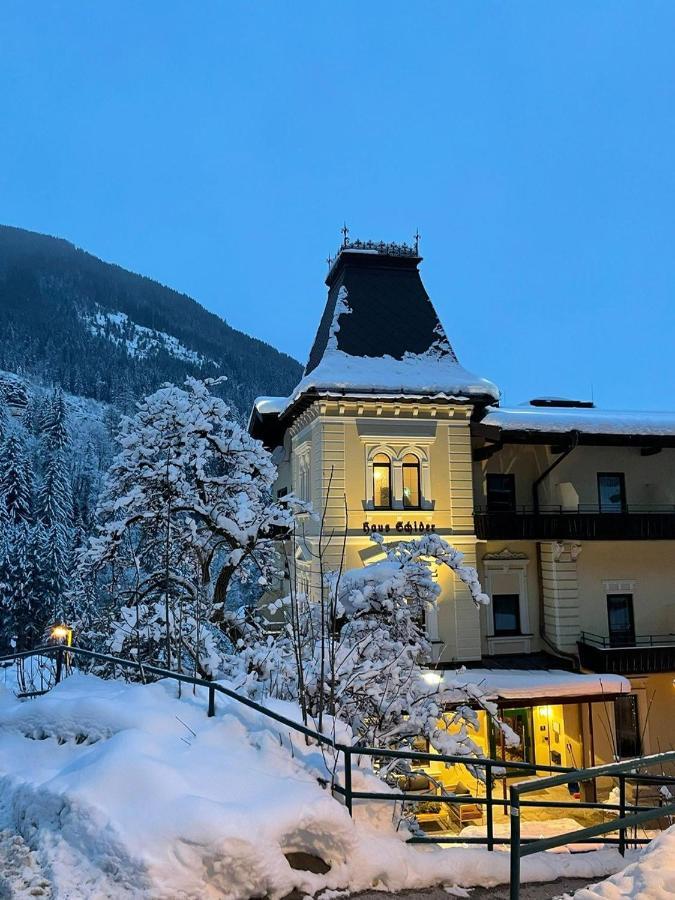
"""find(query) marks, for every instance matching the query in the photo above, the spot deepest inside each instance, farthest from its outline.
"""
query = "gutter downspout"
(549, 469)
(535, 504)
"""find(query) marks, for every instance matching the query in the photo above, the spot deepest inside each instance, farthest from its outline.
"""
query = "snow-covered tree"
(362, 661)
(25, 612)
(187, 508)
(4, 419)
(86, 488)
(54, 425)
(16, 480)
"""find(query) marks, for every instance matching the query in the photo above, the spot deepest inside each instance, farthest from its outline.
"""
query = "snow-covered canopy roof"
(524, 684)
(559, 420)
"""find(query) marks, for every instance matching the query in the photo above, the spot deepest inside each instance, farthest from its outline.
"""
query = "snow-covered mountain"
(99, 331)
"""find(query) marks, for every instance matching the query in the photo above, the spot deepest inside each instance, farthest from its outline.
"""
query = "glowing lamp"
(62, 633)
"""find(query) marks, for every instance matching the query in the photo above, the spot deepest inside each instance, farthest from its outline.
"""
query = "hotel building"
(567, 512)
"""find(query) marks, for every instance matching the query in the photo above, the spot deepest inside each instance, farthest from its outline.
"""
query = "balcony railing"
(640, 655)
(586, 521)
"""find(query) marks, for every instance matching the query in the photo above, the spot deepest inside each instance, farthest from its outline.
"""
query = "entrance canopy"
(534, 687)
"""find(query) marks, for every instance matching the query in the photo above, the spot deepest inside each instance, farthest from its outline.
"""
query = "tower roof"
(379, 336)
(380, 332)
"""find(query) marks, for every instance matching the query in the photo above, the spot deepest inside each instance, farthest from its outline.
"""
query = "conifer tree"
(4, 419)
(187, 510)
(55, 507)
(24, 608)
(55, 426)
(16, 480)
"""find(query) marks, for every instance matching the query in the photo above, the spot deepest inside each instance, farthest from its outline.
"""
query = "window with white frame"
(397, 478)
(381, 481)
(505, 582)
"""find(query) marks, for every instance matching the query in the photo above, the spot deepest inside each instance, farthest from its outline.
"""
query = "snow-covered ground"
(115, 790)
(650, 877)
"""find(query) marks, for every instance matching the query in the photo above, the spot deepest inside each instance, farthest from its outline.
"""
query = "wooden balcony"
(644, 655)
(583, 523)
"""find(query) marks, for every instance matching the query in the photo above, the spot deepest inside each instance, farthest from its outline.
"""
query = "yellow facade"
(419, 456)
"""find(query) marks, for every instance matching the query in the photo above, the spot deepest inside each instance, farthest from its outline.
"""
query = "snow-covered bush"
(360, 655)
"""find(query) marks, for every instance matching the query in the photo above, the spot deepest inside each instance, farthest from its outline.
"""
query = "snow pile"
(138, 341)
(651, 876)
(125, 791)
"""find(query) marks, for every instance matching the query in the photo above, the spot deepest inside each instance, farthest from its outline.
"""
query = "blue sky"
(219, 146)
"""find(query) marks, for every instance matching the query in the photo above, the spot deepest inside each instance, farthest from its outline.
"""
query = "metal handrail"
(582, 835)
(638, 642)
(556, 509)
(346, 791)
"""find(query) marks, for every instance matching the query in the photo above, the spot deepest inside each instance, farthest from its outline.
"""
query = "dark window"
(282, 492)
(501, 493)
(411, 482)
(382, 481)
(620, 620)
(627, 726)
(611, 492)
(506, 612)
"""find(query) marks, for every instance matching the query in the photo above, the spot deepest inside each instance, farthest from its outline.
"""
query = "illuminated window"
(382, 481)
(411, 482)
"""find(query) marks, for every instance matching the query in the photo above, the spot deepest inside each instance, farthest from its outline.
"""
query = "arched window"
(411, 482)
(381, 481)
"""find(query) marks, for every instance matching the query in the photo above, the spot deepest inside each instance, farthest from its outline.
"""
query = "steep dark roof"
(379, 336)
(390, 311)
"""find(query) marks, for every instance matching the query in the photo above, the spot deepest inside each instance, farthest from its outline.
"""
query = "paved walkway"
(548, 891)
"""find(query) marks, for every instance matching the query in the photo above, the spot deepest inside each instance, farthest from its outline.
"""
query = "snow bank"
(651, 876)
(125, 791)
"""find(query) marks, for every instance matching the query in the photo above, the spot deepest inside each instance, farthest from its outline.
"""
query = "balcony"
(581, 523)
(644, 655)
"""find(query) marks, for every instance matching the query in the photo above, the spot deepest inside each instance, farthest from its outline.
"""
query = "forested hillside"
(99, 331)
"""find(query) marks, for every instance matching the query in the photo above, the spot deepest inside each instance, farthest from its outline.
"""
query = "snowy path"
(20, 873)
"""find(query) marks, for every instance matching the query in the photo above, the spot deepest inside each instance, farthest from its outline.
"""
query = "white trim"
(396, 450)
(619, 586)
(507, 566)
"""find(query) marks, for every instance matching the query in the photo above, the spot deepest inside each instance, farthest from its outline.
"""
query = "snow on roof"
(427, 374)
(589, 421)
(267, 405)
(512, 684)
(380, 333)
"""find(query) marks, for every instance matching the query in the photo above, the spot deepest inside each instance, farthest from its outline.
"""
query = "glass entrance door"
(620, 620)
(520, 721)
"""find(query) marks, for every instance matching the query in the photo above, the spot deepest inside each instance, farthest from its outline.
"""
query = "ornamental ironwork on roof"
(381, 247)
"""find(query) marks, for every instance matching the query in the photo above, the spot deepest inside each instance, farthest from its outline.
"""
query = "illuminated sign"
(402, 527)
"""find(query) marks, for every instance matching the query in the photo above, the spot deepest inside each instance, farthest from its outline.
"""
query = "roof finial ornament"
(417, 237)
(345, 234)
